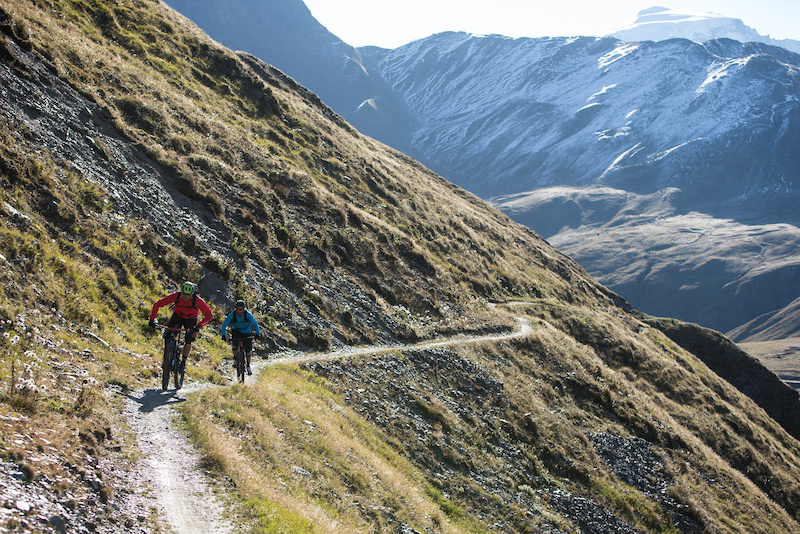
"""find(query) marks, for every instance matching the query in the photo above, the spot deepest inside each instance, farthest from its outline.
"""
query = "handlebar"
(170, 329)
(232, 338)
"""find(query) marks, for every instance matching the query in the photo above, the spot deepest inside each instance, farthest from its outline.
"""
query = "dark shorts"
(176, 321)
(248, 343)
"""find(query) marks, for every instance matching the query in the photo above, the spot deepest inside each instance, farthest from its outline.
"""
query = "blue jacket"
(241, 324)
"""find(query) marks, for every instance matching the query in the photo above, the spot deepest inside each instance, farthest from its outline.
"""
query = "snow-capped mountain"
(720, 120)
(661, 23)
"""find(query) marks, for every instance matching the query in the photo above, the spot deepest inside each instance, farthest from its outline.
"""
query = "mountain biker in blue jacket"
(242, 324)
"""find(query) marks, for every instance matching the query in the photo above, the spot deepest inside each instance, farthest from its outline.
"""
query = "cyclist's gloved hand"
(258, 336)
(152, 323)
(224, 339)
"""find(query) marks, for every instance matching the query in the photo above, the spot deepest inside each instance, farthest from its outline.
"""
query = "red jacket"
(187, 310)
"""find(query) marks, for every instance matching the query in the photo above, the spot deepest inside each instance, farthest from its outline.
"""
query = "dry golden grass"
(655, 389)
(567, 389)
(296, 453)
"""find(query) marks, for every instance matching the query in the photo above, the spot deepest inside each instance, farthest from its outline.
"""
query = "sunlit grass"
(294, 448)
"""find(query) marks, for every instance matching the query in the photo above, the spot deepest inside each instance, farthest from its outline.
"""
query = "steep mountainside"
(711, 126)
(136, 152)
(779, 325)
(286, 35)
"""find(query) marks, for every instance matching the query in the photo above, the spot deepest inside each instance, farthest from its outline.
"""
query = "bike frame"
(237, 344)
(171, 362)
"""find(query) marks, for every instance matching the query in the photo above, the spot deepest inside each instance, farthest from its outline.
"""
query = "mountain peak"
(654, 9)
(658, 13)
(661, 23)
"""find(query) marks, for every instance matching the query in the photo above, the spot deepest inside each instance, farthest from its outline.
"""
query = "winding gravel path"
(183, 494)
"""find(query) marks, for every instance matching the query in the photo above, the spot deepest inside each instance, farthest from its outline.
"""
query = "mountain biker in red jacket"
(187, 305)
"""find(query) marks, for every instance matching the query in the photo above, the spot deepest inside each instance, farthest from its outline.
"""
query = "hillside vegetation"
(137, 153)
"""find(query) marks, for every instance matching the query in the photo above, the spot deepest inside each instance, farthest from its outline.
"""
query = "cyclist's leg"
(190, 337)
(248, 348)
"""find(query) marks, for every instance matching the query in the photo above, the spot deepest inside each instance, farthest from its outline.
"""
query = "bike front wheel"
(240, 366)
(165, 368)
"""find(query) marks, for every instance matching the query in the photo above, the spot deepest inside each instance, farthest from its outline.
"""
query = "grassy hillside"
(136, 153)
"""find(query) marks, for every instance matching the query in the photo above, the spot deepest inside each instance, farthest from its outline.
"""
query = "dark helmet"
(240, 304)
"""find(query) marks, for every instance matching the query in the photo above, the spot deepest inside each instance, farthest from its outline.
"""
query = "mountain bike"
(171, 363)
(239, 355)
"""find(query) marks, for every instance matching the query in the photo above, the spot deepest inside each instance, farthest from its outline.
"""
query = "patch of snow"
(368, 102)
(358, 62)
(601, 92)
(589, 106)
(663, 154)
(616, 54)
(720, 69)
(632, 151)
(613, 133)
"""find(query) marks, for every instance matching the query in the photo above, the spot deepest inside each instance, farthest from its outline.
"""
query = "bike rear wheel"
(181, 376)
(176, 371)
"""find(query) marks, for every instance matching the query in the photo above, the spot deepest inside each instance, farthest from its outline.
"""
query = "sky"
(392, 23)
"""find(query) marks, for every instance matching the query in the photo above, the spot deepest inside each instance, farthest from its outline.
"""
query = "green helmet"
(188, 288)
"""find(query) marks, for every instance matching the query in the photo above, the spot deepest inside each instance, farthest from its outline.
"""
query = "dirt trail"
(171, 466)
(523, 329)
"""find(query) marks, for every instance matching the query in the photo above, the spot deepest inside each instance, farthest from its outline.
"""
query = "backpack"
(235, 320)
(194, 300)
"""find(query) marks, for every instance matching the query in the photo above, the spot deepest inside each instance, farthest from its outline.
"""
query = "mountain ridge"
(609, 102)
(295, 42)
